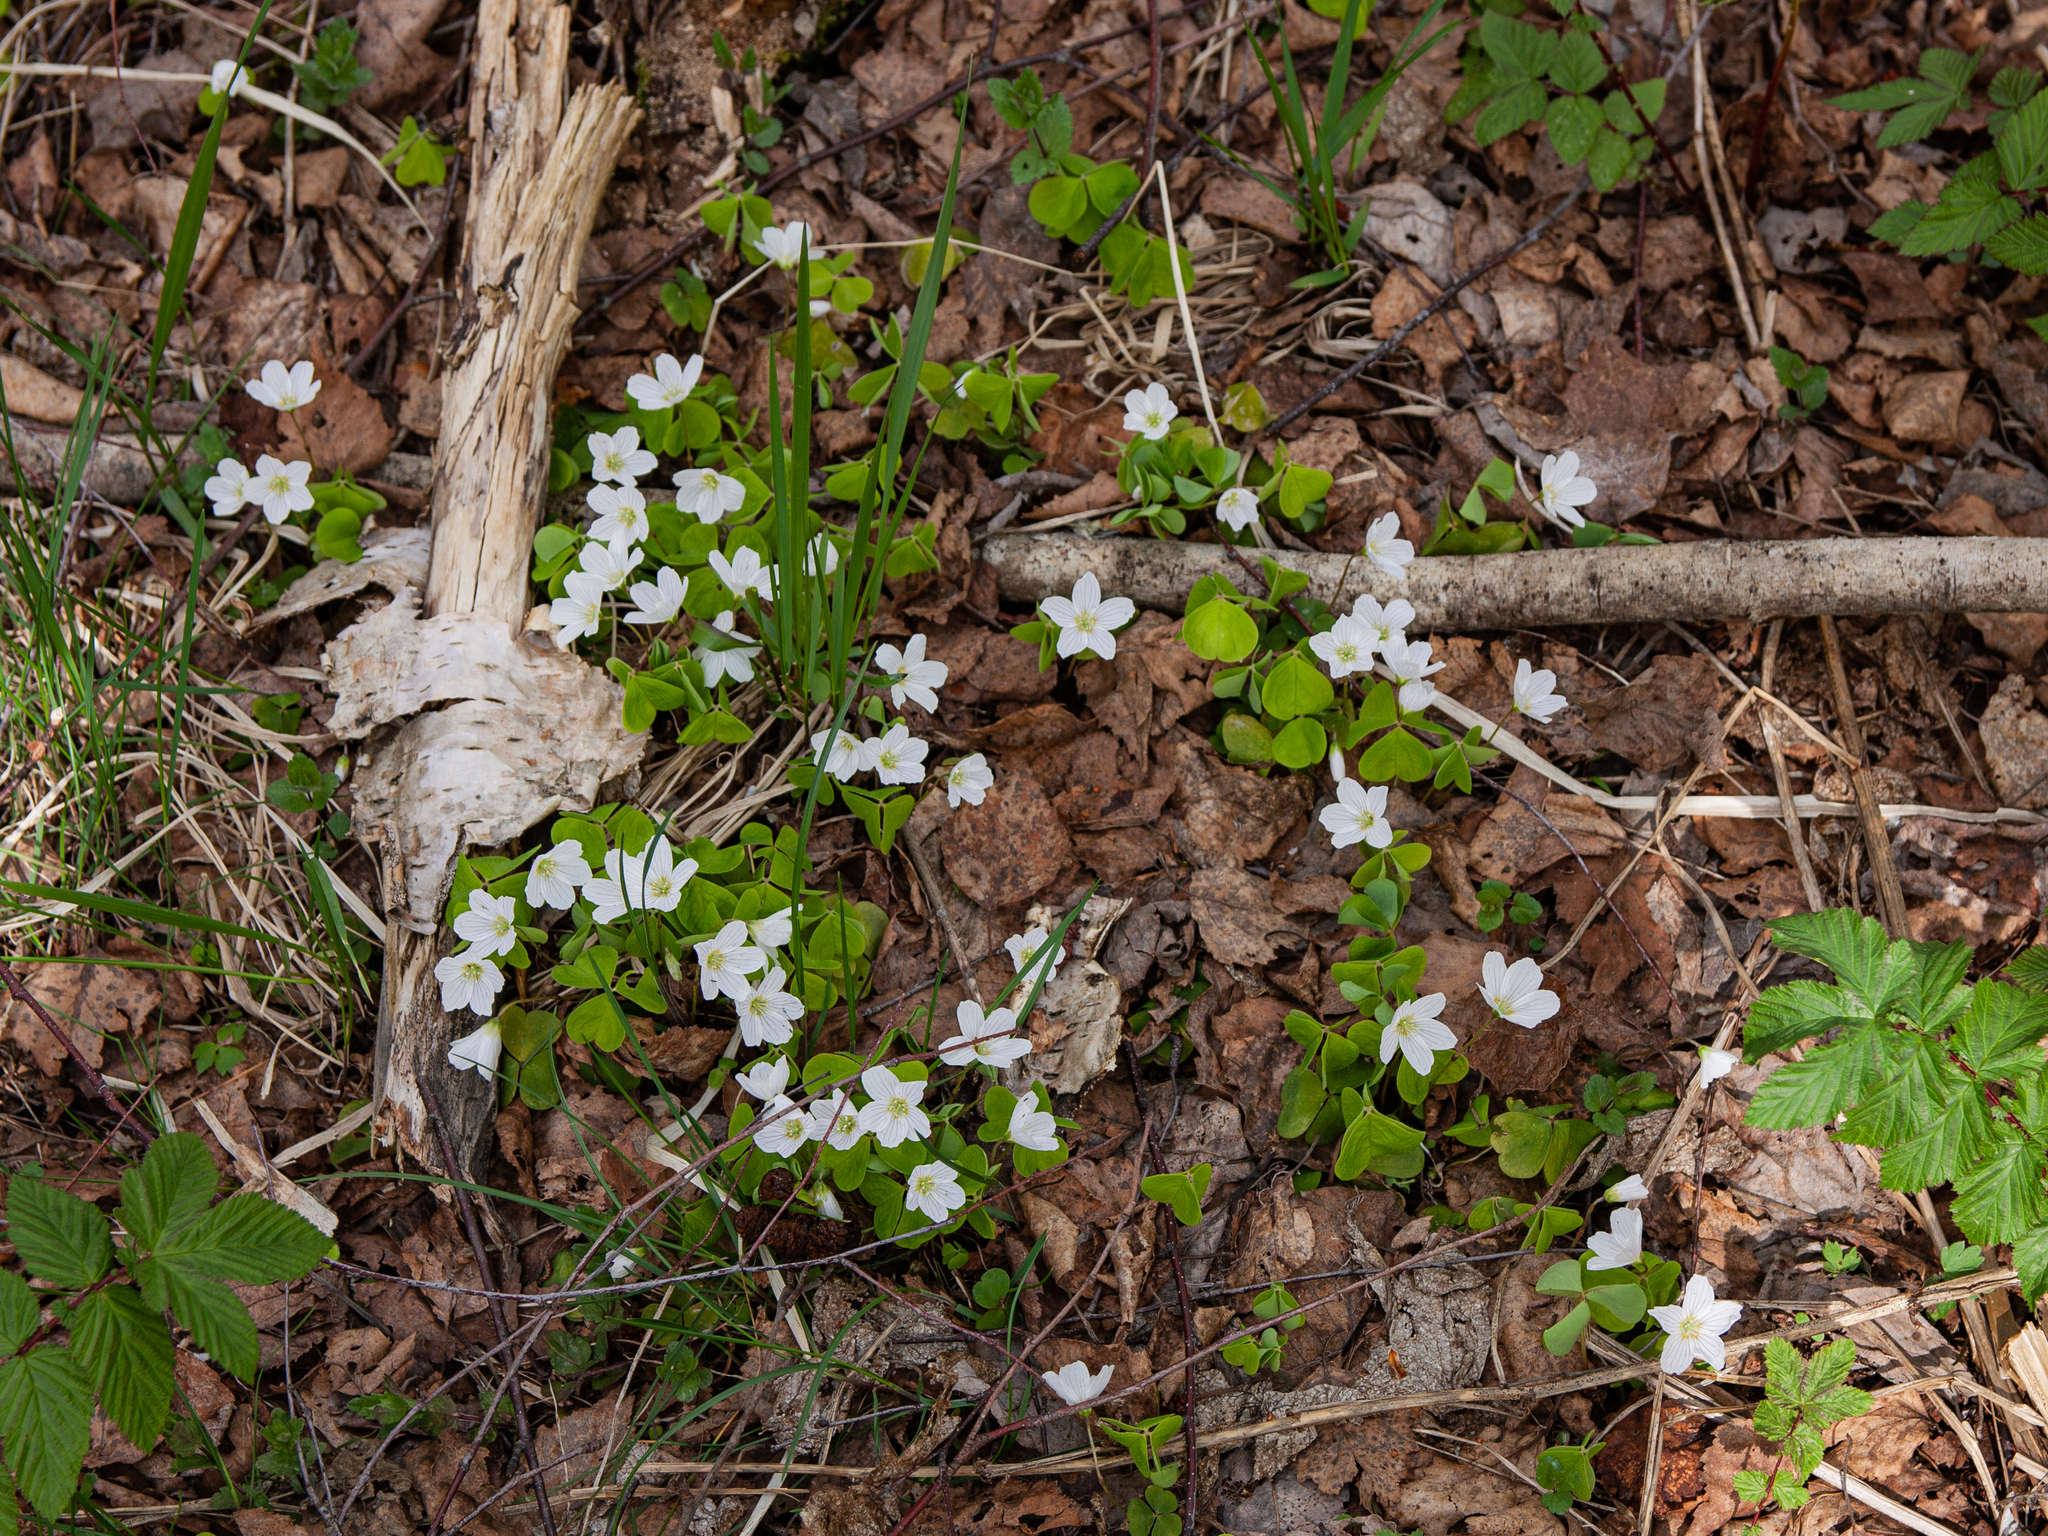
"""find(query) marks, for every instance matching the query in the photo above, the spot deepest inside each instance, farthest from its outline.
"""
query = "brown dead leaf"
(684, 1051)
(1743, 845)
(1022, 1507)
(393, 47)
(1238, 921)
(1229, 815)
(1926, 407)
(2015, 736)
(1893, 288)
(1439, 1493)
(1667, 715)
(124, 112)
(88, 1002)
(1010, 847)
(1372, 1452)
(342, 429)
(1244, 201)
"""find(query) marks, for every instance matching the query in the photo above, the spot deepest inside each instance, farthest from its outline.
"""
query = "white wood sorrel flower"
(668, 386)
(469, 980)
(1560, 489)
(910, 675)
(1535, 691)
(933, 1191)
(985, 1039)
(478, 1051)
(1417, 1033)
(619, 456)
(784, 247)
(1516, 992)
(1074, 1384)
(553, 877)
(489, 927)
(892, 1115)
(970, 779)
(1694, 1325)
(1359, 816)
(1149, 412)
(282, 388)
(1620, 1245)
(726, 960)
(1087, 621)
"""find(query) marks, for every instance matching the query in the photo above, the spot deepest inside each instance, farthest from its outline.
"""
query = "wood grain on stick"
(1618, 584)
(540, 174)
(519, 733)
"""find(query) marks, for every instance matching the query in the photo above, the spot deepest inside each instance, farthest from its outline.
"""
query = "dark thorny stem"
(1663, 149)
(484, 1272)
(86, 1069)
(1763, 117)
(1170, 1240)
(1337, 381)
(1151, 94)
(1642, 223)
(411, 291)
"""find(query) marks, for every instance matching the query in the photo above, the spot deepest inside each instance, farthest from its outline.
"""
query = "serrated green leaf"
(2023, 147)
(1514, 108)
(1573, 122)
(1607, 163)
(19, 1311)
(1894, 224)
(2001, 1199)
(1796, 1011)
(1855, 948)
(175, 1181)
(1814, 1091)
(60, 1237)
(2023, 246)
(1519, 51)
(1971, 209)
(46, 1423)
(2000, 1034)
(1941, 1151)
(1781, 1371)
(2030, 1258)
(1828, 1369)
(218, 1320)
(247, 1238)
(125, 1350)
(1577, 67)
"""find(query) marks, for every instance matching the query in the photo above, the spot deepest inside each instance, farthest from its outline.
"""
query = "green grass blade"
(141, 911)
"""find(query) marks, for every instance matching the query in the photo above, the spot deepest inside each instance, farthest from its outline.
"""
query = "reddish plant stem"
(86, 1069)
(1763, 117)
(1642, 223)
(1663, 149)
(1151, 93)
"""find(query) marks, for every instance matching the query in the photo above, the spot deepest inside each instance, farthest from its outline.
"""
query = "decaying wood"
(1615, 585)
(474, 734)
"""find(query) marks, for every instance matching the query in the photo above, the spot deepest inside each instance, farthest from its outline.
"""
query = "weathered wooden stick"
(519, 732)
(1616, 585)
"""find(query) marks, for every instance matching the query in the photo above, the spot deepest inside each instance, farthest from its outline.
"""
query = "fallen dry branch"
(1615, 585)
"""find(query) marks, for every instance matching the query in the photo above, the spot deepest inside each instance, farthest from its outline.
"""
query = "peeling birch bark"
(473, 734)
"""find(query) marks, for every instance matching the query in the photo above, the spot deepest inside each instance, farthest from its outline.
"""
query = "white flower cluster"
(894, 1113)
(896, 756)
(277, 486)
(651, 880)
